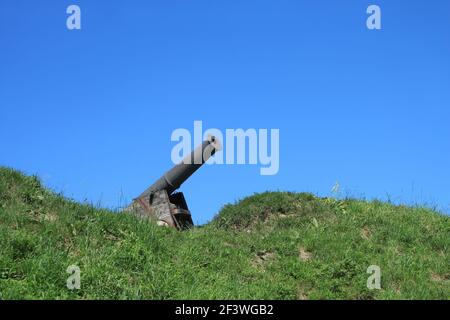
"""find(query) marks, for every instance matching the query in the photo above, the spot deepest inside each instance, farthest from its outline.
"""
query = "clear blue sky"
(91, 111)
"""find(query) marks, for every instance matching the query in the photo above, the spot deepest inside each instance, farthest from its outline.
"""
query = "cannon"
(160, 201)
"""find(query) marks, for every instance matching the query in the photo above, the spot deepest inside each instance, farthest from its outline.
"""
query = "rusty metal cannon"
(161, 202)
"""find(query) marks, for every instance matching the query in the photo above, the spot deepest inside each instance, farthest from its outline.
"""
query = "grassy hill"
(275, 245)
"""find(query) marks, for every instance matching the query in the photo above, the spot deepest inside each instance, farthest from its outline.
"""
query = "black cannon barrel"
(175, 177)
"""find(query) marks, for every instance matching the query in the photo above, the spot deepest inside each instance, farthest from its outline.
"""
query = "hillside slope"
(274, 245)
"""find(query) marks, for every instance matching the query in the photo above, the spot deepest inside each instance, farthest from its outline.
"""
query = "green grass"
(274, 245)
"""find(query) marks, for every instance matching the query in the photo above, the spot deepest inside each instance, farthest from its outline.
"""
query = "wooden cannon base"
(170, 210)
